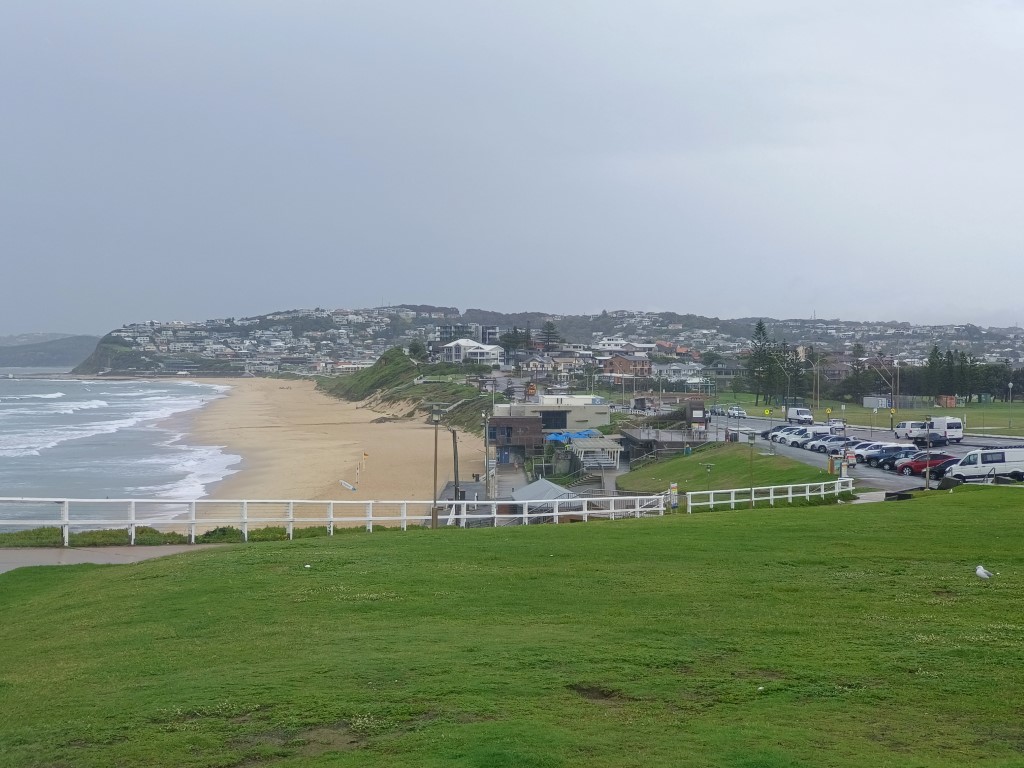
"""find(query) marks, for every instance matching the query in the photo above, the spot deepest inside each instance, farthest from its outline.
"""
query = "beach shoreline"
(299, 443)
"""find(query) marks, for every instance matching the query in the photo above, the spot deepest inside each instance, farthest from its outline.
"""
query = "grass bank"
(839, 636)
(733, 465)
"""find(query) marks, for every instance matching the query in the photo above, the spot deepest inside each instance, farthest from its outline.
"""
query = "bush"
(222, 535)
(36, 537)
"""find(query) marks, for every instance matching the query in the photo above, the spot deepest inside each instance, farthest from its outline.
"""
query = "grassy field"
(995, 418)
(837, 636)
(734, 465)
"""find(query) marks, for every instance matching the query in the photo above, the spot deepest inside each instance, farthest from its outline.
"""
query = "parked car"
(839, 448)
(874, 458)
(917, 465)
(889, 462)
(767, 433)
(939, 470)
(797, 437)
(990, 463)
(777, 437)
(822, 444)
(736, 412)
(810, 434)
(932, 438)
(863, 451)
(717, 410)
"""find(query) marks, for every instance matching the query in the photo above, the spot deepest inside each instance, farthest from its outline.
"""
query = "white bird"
(982, 573)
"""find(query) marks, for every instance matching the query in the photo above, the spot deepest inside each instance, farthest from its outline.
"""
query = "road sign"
(892, 410)
(767, 411)
(828, 411)
(874, 410)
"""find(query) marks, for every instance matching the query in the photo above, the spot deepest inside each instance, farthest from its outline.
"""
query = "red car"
(917, 465)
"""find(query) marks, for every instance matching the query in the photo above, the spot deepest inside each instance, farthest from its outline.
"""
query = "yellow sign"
(828, 411)
(892, 410)
(767, 411)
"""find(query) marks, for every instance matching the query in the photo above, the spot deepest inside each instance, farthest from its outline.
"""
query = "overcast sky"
(187, 160)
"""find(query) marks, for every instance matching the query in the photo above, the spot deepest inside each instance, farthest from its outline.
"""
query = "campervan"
(989, 462)
(909, 429)
(950, 427)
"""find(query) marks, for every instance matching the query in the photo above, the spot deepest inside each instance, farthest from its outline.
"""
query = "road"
(866, 476)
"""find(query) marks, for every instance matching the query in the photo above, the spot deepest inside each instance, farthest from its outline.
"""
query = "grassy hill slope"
(734, 465)
(839, 636)
(391, 381)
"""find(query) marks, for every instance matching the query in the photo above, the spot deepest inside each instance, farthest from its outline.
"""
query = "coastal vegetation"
(839, 636)
(392, 381)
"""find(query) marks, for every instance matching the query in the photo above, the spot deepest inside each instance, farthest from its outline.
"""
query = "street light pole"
(455, 455)
(487, 460)
(435, 416)
(1010, 385)
(928, 453)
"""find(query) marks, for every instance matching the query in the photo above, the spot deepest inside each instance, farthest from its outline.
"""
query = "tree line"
(775, 372)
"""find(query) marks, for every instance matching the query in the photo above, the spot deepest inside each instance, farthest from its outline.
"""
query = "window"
(995, 457)
(554, 419)
(970, 460)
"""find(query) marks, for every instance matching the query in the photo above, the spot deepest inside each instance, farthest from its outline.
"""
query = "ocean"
(98, 439)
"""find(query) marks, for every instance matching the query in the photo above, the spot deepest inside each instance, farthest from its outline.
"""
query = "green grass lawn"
(735, 465)
(835, 636)
(995, 418)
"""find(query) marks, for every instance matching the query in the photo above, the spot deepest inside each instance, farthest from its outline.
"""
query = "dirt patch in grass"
(599, 693)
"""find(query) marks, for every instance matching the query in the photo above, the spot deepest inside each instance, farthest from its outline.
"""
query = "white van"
(988, 462)
(950, 427)
(799, 416)
(909, 429)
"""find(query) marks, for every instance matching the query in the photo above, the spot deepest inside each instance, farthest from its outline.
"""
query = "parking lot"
(867, 476)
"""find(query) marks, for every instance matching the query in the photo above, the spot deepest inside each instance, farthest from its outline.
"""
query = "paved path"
(19, 557)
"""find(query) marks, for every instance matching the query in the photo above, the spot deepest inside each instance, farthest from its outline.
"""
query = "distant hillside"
(68, 351)
(31, 338)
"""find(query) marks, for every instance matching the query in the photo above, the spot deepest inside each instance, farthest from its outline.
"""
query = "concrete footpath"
(19, 557)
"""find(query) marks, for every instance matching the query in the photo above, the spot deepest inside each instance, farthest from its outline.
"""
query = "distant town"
(688, 350)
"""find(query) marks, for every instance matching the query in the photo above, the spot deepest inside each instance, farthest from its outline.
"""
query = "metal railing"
(194, 517)
(748, 497)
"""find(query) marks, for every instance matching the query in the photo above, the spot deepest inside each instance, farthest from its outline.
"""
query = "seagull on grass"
(982, 573)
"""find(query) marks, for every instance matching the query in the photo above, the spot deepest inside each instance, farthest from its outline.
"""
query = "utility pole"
(455, 454)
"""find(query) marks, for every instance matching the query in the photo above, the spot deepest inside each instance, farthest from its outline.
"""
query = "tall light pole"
(435, 416)
(1010, 386)
(928, 452)
(487, 460)
(455, 455)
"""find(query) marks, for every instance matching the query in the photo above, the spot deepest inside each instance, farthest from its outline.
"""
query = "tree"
(417, 350)
(759, 363)
(936, 372)
(549, 336)
(710, 357)
(513, 340)
(858, 382)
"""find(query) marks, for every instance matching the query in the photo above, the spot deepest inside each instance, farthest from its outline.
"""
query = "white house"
(469, 351)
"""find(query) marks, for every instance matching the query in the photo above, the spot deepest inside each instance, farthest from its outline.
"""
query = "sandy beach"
(297, 443)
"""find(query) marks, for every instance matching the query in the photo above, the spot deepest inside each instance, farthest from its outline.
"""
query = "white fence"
(190, 517)
(748, 497)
